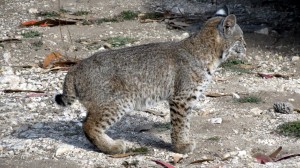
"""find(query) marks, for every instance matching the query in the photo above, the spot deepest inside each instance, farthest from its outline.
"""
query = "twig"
(222, 94)
(19, 90)
(56, 69)
(10, 40)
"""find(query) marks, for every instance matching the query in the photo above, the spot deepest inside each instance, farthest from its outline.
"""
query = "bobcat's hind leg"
(97, 121)
(180, 132)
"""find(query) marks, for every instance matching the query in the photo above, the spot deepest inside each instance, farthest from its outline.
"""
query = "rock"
(264, 31)
(295, 58)
(242, 154)
(236, 96)
(33, 10)
(216, 120)
(291, 100)
(283, 107)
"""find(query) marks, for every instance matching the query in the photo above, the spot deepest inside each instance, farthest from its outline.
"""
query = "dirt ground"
(34, 132)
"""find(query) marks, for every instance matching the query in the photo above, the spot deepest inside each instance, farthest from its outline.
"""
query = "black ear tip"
(58, 100)
(224, 11)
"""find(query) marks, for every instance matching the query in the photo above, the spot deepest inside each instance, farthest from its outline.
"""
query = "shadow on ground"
(71, 132)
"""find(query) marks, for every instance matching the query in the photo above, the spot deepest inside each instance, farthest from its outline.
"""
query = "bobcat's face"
(234, 39)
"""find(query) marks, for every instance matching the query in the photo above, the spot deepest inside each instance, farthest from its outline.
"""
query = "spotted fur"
(112, 83)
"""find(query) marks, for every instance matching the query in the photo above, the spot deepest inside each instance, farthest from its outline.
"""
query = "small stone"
(283, 107)
(185, 35)
(235, 131)
(236, 96)
(291, 100)
(216, 120)
(242, 153)
(107, 45)
(295, 58)
(33, 10)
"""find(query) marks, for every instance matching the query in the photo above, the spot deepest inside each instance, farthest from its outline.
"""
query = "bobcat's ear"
(228, 24)
(224, 11)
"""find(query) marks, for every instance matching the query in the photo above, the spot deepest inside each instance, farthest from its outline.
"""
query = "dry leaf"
(50, 58)
(267, 76)
(29, 23)
(277, 75)
(48, 22)
(166, 165)
(275, 153)
(262, 158)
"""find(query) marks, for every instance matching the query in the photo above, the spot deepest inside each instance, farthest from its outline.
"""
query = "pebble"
(242, 154)
(236, 96)
(33, 10)
(291, 100)
(216, 120)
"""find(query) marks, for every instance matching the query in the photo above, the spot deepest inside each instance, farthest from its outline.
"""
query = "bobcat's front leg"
(180, 121)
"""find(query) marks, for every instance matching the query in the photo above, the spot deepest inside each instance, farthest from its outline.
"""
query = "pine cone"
(283, 107)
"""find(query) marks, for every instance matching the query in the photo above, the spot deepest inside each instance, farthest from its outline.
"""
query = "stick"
(19, 90)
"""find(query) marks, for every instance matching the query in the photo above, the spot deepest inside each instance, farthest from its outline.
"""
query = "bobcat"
(111, 83)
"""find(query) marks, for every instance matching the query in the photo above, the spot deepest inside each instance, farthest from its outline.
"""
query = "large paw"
(184, 147)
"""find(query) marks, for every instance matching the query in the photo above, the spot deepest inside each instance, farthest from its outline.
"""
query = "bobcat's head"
(234, 44)
(222, 37)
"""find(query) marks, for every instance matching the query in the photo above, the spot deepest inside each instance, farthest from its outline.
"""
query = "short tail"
(59, 100)
(69, 95)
